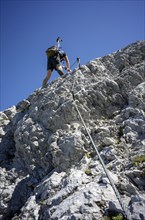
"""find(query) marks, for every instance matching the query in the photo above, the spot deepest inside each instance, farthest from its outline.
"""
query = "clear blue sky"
(89, 29)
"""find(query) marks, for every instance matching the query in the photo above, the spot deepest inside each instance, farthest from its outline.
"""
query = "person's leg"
(46, 78)
(60, 70)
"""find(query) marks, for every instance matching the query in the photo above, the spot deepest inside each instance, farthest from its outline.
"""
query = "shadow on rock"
(19, 197)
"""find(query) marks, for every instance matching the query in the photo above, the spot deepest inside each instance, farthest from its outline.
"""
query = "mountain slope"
(49, 168)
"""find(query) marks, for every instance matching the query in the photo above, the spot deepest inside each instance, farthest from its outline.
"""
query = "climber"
(54, 58)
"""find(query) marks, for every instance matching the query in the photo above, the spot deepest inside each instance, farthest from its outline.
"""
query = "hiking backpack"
(51, 51)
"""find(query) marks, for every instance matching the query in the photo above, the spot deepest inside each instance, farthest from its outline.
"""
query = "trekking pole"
(58, 40)
(73, 64)
(78, 61)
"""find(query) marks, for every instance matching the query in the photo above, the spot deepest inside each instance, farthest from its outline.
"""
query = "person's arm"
(67, 63)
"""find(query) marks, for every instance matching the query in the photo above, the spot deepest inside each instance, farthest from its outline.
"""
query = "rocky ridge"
(48, 167)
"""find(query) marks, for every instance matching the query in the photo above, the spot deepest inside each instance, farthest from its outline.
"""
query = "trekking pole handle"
(78, 61)
(58, 39)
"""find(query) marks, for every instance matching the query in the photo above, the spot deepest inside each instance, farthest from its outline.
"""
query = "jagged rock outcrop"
(48, 167)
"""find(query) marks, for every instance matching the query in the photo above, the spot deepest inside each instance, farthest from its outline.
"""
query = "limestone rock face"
(48, 166)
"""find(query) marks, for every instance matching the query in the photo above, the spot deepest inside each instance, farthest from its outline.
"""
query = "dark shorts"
(52, 63)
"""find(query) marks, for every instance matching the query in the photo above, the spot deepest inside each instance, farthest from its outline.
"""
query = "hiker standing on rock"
(54, 58)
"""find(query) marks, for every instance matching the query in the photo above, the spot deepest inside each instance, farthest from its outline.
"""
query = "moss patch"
(139, 159)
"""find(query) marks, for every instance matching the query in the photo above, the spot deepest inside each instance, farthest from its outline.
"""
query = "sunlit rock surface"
(48, 166)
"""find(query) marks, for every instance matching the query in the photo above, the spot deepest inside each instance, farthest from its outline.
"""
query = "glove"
(68, 70)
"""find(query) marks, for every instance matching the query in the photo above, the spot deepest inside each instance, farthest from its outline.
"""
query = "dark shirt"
(55, 60)
(62, 54)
